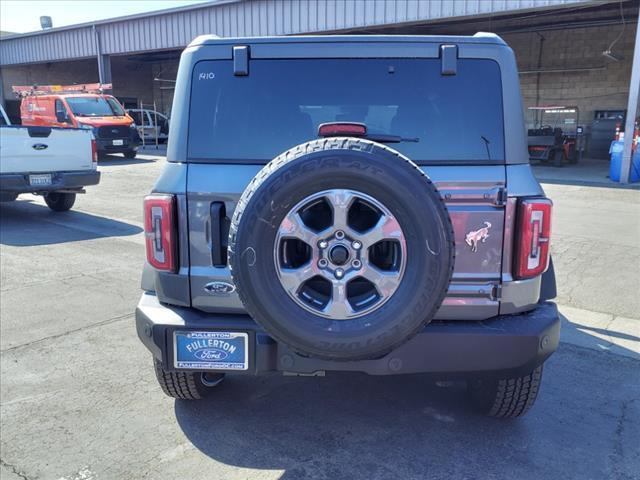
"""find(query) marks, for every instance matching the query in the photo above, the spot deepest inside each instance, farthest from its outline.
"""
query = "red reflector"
(344, 129)
(160, 231)
(94, 151)
(533, 237)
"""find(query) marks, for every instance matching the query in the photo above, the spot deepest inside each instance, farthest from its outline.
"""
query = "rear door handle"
(218, 243)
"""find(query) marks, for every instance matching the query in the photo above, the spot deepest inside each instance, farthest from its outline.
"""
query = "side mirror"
(61, 117)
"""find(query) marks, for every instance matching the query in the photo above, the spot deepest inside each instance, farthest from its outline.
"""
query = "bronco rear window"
(252, 119)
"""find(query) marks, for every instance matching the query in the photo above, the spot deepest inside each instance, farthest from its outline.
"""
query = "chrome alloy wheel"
(340, 254)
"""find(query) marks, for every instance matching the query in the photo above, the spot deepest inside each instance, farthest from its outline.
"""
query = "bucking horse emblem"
(476, 236)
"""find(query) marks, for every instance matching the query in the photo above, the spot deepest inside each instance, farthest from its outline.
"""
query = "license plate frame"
(118, 143)
(41, 180)
(210, 350)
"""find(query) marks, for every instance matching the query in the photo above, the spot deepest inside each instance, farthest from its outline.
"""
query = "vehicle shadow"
(600, 339)
(365, 427)
(610, 333)
(24, 223)
(292, 423)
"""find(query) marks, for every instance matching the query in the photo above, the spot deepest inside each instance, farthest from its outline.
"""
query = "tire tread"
(515, 396)
(59, 201)
(181, 385)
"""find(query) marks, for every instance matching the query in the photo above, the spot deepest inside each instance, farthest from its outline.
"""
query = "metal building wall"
(176, 28)
(68, 44)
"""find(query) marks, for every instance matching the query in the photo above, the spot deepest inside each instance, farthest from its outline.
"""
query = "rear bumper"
(19, 182)
(506, 346)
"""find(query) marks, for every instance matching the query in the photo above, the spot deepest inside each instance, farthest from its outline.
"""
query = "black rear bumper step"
(507, 345)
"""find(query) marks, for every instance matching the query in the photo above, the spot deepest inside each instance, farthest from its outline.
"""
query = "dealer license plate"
(118, 142)
(211, 350)
(40, 180)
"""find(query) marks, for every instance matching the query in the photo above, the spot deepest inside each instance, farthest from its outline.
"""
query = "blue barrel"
(615, 150)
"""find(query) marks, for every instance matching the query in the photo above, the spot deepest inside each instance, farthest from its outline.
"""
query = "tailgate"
(474, 196)
(44, 149)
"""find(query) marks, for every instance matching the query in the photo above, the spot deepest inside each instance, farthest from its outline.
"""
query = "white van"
(150, 124)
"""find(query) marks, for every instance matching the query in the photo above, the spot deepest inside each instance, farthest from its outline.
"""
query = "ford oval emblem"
(219, 288)
(39, 146)
(210, 354)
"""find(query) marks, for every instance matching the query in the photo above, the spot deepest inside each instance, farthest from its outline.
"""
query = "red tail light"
(533, 237)
(94, 151)
(160, 231)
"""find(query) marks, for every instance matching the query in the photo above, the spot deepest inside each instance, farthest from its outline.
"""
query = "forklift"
(553, 133)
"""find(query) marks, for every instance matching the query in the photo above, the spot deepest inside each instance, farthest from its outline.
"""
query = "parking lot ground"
(78, 399)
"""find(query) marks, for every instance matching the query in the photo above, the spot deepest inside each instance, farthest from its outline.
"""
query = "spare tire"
(341, 248)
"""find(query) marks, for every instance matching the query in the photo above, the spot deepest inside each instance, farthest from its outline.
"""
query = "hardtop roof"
(479, 38)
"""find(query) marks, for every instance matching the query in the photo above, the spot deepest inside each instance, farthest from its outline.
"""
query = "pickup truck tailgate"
(44, 149)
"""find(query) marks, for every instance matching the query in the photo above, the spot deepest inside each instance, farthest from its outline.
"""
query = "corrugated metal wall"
(68, 44)
(177, 28)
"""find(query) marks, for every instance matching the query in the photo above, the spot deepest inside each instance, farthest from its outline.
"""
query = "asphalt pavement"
(78, 399)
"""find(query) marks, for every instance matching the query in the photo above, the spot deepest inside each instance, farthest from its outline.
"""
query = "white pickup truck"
(56, 163)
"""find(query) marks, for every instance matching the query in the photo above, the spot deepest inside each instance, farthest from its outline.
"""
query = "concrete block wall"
(604, 88)
(132, 79)
(60, 73)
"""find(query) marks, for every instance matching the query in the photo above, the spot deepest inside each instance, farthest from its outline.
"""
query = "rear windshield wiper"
(486, 144)
(354, 129)
(384, 138)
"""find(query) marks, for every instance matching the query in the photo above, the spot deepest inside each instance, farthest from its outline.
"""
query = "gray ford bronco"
(349, 203)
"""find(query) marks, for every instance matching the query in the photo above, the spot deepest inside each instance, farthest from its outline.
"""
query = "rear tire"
(186, 385)
(60, 201)
(507, 397)
(130, 154)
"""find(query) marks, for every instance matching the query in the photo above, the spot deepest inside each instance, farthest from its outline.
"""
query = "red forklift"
(553, 134)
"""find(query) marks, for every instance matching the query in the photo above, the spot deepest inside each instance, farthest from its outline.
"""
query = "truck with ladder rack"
(81, 106)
